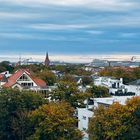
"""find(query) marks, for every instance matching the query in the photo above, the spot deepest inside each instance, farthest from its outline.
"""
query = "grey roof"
(137, 83)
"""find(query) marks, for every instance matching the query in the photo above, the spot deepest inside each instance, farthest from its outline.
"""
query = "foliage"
(128, 74)
(5, 66)
(87, 80)
(73, 69)
(14, 109)
(98, 91)
(54, 121)
(67, 90)
(47, 76)
(117, 122)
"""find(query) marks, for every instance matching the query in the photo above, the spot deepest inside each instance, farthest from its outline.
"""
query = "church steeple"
(47, 61)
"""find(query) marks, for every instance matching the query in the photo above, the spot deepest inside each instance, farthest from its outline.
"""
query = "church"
(47, 60)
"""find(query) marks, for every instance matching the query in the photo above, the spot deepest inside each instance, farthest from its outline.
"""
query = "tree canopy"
(67, 90)
(128, 74)
(54, 121)
(117, 122)
(14, 108)
(98, 91)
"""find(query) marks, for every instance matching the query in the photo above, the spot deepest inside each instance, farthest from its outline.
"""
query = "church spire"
(47, 61)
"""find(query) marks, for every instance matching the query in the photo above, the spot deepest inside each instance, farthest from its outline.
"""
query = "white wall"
(133, 88)
(83, 116)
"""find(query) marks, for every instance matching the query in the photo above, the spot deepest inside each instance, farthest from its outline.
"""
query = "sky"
(69, 27)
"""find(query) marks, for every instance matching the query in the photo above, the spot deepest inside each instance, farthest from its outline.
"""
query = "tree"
(128, 74)
(117, 122)
(47, 76)
(98, 91)
(87, 80)
(5, 66)
(14, 109)
(67, 90)
(54, 121)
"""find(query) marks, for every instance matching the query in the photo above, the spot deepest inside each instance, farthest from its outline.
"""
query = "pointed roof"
(12, 80)
(47, 61)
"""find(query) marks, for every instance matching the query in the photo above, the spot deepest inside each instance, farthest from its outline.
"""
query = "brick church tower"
(47, 61)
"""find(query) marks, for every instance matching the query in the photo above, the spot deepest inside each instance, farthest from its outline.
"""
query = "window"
(84, 129)
(84, 117)
(23, 78)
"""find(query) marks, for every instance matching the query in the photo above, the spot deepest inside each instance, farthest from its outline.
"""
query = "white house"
(111, 83)
(84, 115)
(134, 87)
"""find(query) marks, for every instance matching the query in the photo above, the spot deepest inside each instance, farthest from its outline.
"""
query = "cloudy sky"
(70, 26)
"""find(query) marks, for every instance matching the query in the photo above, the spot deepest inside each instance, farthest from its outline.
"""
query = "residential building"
(23, 79)
(111, 83)
(134, 87)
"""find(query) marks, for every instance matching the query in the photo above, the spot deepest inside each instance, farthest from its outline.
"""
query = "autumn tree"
(128, 74)
(54, 121)
(117, 122)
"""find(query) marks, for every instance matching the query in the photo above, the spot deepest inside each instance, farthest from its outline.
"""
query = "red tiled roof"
(1, 76)
(39, 82)
(13, 78)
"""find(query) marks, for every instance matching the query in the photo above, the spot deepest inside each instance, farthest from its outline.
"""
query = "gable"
(24, 77)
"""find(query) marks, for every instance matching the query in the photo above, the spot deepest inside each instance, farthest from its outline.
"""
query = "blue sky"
(70, 26)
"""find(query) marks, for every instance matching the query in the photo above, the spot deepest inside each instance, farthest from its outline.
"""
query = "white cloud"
(58, 26)
(95, 32)
(16, 15)
(94, 4)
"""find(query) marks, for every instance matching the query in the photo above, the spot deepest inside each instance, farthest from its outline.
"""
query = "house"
(84, 114)
(111, 83)
(23, 79)
(6, 73)
(134, 87)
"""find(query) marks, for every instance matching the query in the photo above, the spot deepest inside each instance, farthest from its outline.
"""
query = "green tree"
(67, 90)
(87, 80)
(46, 75)
(54, 121)
(6, 66)
(98, 91)
(14, 109)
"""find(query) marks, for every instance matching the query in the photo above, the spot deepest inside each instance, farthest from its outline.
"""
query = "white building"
(84, 115)
(134, 87)
(111, 83)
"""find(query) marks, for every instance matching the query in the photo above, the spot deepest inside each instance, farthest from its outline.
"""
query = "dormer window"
(23, 78)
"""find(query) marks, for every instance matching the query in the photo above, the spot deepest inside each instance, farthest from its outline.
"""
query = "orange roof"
(1, 76)
(14, 77)
(40, 82)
